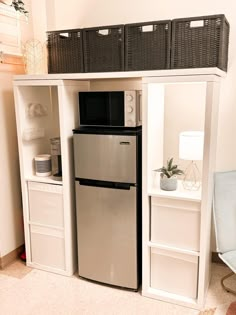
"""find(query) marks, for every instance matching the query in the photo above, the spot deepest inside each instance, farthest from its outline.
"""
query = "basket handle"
(104, 32)
(151, 28)
(148, 28)
(64, 35)
(198, 23)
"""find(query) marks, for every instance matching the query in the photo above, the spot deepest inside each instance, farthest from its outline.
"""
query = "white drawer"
(46, 204)
(175, 223)
(47, 247)
(174, 272)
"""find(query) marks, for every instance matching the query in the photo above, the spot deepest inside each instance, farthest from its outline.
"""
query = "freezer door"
(105, 157)
(107, 240)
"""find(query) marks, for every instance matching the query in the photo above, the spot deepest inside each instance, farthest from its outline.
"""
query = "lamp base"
(192, 178)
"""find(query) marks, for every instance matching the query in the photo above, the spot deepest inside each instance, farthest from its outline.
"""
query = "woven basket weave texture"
(147, 50)
(200, 45)
(104, 48)
(65, 51)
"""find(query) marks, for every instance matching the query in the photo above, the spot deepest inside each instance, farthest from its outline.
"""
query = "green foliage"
(19, 6)
(170, 169)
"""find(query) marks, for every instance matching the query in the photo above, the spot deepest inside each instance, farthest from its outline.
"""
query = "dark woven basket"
(199, 42)
(147, 45)
(65, 52)
(103, 48)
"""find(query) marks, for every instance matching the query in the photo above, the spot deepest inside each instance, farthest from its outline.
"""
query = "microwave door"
(94, 109)
(101, 109)
(116, 109)
(105, 157)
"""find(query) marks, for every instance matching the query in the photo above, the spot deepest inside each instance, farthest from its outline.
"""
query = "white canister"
(43, 165)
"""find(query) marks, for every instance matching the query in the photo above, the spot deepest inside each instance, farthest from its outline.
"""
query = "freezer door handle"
(104, 184)
(124, 143)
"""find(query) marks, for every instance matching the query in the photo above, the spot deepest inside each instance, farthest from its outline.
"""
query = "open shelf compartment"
(39, 117)
(167, 117)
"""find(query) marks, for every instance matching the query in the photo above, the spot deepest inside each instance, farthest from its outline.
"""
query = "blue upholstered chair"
(224, 211)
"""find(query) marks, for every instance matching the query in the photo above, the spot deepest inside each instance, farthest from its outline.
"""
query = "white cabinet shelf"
(125, 74)
(60, 94)
(170, 297)
(180, 193)
(42, 179)
(47, 109)
(177, 224)
(174, 249)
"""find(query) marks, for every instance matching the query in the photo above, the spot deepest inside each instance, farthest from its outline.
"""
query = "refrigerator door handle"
(104, 184)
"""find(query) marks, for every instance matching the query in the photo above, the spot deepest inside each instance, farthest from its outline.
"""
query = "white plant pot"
(168, 183)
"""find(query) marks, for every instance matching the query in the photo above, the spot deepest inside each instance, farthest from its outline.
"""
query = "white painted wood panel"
(174, 272)
(175, 225)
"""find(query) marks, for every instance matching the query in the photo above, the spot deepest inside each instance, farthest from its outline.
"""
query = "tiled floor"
(25, 291)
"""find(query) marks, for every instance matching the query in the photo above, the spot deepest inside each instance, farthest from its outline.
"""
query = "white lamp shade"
(191, 145)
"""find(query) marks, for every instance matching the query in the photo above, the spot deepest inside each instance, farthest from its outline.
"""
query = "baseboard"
(216, 259)
(10, 257)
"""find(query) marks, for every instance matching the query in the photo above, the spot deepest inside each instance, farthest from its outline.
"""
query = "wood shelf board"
(41, 179)
(49, 269)
(173, 249)
(53, 227)
(180, 193)
(171, 297)
(124, 74)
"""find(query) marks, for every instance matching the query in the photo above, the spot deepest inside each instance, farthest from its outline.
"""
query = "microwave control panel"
(133, 108)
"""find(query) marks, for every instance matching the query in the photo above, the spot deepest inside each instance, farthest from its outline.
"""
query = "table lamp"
(191, 149)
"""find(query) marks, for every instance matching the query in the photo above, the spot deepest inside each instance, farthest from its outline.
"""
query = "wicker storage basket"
(199, 42)
(147, 45)
(65, 52)
(103, 48)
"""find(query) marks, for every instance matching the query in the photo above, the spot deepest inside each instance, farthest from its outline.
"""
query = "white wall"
(184, 111)
(11, 217)
(27, 25)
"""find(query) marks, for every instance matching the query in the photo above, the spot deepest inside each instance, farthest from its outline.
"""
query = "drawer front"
(175, 224)
(46, 204)
(175, 273)
(187, 204)
(47, 247)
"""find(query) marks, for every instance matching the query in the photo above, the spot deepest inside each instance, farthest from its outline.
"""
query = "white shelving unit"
(50, 235)
(176, 225)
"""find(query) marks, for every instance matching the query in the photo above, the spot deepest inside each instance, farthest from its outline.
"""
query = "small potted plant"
(19, 6)
(168, 179)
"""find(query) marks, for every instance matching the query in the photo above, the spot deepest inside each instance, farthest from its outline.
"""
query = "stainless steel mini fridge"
(108, 202)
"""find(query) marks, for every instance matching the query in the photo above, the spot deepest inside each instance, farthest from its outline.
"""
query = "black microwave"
(110, 108)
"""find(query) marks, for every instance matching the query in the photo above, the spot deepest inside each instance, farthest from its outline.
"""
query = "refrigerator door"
(107, 234)
(105, 157)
